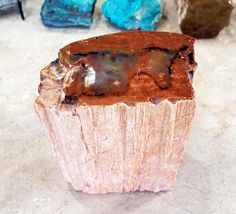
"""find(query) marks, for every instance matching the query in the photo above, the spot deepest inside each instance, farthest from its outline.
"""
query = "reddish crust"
(128, 42)
(142, 88)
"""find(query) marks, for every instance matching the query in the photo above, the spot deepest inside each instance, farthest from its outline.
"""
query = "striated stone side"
(119, 148)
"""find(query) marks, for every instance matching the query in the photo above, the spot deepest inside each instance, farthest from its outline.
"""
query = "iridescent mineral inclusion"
(99, 73)
(133, 14)
(67, 13)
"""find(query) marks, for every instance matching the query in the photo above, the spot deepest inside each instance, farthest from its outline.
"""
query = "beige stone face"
(118, 148)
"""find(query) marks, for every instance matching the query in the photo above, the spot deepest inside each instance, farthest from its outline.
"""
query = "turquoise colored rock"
(133, 14)
(7, 4)
(67, 13)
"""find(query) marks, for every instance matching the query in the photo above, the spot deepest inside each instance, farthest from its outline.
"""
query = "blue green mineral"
(67, 13)
(133, 14)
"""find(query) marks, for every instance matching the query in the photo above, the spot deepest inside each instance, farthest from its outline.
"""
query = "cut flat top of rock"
(127, 67)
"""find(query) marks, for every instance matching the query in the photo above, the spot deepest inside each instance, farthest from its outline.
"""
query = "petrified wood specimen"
(204, 18)
(117, 110)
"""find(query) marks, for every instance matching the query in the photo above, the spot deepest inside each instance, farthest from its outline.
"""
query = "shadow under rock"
(190, 194)
(113, 202)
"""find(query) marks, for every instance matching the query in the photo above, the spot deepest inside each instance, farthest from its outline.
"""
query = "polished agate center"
(107, 73)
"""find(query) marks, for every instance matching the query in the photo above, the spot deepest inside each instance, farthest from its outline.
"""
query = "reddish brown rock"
(204, 19)
(118, 108)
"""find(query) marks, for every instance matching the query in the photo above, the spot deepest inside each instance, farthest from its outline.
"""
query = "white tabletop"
(30, 181)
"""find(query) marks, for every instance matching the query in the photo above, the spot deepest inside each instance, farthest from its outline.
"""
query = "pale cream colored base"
(119, 148)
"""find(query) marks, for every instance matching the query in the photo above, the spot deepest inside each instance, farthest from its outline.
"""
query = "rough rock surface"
(118, 143)
(119, 148)
(204, 19)
(67, 13)
(133, 15)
